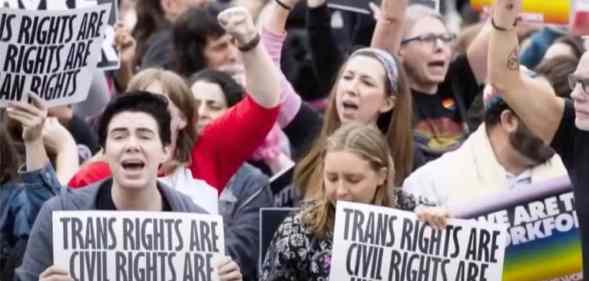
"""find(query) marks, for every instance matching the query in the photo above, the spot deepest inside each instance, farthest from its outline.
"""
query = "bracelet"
(251, 44)
(495, 26)
(281, 4)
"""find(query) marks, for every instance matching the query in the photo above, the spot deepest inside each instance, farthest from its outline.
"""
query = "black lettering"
(24, 35)
(6, 27)
(180, 245)
(406, 235)
(121, 265)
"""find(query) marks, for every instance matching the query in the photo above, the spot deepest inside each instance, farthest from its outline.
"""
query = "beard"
(530, 146)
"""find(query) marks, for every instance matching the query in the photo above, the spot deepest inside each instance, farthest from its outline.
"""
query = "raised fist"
(506, 12)
(238, 23)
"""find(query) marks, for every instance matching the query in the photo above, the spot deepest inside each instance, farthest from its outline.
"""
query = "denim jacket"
(20, 202)
(239, 204)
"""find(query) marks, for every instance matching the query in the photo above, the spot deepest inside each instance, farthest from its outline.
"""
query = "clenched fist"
(238, 23)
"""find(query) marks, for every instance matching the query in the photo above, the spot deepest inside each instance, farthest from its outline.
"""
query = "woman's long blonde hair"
(395, 124)
(368, 143)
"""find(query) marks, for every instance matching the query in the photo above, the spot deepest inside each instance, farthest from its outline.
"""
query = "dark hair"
(575, 43)
(232, 90)
(9, 156)
(150, 19)
(493, 111)
(557, 70)
(137, 101)
(192, 30)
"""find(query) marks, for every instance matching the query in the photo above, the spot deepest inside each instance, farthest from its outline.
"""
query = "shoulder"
(248, 179)
(82, 199)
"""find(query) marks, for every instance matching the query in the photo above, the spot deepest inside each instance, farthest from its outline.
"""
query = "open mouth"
(437, 63)
(133, 165)
(349, 105)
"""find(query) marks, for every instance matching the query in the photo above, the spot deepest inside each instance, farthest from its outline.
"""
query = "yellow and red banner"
(547, 11)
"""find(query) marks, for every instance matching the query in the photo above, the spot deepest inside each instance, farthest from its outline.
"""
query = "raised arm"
(59, 140)
(389, 26)
(533, 100)
(263, 79)
(477, 52)
(273, 36)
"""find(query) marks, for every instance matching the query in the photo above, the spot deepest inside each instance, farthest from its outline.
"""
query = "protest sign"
(539, 11)
(51, 54)
(378, 243)
(119, 245)
(544, 240)
(363, 7)
(109, 58)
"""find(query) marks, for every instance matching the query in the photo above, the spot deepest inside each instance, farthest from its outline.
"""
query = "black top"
(441, 118)
(572, 145)
(104, 200)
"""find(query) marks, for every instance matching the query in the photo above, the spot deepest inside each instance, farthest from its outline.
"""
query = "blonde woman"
(356, 166)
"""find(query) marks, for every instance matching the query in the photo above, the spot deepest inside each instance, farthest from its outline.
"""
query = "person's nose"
(342, 190)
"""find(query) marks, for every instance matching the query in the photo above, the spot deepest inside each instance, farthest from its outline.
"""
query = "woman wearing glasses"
(443, 89)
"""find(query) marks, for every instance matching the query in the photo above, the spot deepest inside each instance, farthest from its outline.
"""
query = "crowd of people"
(402, 108)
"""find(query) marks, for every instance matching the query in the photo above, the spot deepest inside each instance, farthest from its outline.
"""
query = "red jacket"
(222, 147)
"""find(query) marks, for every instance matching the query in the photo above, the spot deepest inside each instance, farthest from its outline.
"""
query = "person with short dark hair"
(201, 42)
(501, 155)
(135, 133)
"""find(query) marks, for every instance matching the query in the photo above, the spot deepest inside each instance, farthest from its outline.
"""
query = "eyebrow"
(361, 75)
(125, 130)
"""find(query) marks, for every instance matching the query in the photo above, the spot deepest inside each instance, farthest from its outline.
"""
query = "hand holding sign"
(434, 216)
(238, 23)
(54, 273)
(31, 116)
(227, 269)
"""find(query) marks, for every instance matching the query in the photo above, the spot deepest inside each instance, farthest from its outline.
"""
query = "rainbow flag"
(545, 242)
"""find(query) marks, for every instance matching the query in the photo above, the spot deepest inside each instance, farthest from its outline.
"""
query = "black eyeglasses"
(431, 38)
(574, 80)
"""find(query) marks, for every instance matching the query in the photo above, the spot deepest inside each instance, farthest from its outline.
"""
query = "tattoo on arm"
(513, 60)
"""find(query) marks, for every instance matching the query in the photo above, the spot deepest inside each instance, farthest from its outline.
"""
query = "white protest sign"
(120, 245)
(110, 57)
(377, 243)
(49, 53)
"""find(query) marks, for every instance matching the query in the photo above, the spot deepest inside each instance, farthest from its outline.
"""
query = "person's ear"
(509, 121)
(388, 104)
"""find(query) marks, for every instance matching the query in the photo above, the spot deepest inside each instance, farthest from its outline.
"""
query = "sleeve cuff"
(45, 174)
